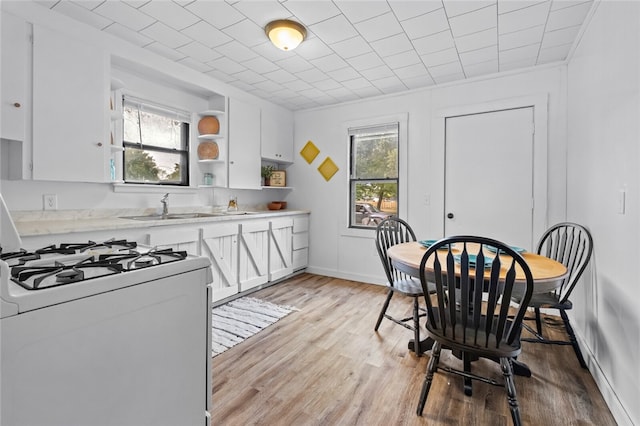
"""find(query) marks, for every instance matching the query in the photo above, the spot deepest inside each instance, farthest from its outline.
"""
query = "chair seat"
(547, 300)
(408, 286)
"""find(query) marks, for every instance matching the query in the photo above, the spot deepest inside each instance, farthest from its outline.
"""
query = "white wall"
(334, 251)
(604, 157)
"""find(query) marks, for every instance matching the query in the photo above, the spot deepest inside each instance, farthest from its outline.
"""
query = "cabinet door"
(280, 248)
(277, 137)
(177, 238)
(70, 109)
(244, 145)
(15, 48)
(253, 254)
(220, 245)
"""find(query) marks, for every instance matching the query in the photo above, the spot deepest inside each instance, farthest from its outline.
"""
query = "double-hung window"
(373, 174)
(156, 143)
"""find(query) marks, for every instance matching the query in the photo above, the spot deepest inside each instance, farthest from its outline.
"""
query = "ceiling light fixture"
(285, 34)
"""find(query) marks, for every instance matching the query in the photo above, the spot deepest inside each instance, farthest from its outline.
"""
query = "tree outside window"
(373, 175)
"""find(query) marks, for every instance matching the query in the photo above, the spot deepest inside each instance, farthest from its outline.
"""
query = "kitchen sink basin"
(172, 216)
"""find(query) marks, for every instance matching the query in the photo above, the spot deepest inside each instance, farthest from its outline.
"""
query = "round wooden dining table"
(547, 273)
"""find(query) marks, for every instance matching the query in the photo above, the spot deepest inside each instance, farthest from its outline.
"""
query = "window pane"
(152, 129)
(154, 167)
(375, 156)
(373, 201)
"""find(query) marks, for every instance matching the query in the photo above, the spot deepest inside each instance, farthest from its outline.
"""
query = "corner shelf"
(211, 137)
(217, 160)
(277, 187)
(210, 112)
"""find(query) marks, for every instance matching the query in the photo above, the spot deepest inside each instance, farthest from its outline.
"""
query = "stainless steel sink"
(172, 216)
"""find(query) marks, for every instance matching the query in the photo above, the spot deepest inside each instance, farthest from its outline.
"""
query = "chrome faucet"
(165, 207)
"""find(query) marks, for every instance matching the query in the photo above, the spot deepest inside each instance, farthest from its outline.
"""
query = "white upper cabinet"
(244, 145)
(277, 137)
(13, 91)
(70, 109)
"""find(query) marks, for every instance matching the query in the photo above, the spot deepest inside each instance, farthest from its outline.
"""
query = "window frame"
(185, 153)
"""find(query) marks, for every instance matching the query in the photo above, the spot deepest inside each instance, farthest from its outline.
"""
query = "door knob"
(450, 215)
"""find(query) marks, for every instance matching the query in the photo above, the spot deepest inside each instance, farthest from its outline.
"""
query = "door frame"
(539, 102)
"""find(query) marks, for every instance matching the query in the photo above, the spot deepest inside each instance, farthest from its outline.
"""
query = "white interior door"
(489, 175)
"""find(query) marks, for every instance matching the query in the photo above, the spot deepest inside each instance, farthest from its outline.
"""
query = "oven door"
(133, 356)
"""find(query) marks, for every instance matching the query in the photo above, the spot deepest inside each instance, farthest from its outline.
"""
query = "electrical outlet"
(50, 201)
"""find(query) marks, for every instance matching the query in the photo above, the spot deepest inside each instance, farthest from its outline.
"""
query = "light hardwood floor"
(325, 365)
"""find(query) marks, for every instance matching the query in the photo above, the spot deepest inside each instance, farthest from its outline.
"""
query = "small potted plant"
(266, 173)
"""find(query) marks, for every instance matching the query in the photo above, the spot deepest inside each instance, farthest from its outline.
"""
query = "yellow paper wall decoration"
(327, 169)
(309, 152)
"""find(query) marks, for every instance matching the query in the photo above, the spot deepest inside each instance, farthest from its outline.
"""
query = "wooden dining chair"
(467, 314)
(572, 245)
(392, 231)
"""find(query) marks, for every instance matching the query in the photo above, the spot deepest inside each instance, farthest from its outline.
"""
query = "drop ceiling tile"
(294, 64)
(165, 51)
(270, 52)
(328, 84)
(312, 75)
(358, 11)
(560, 37)
(519, 54)
(460, 7)
(222, 76)
(268, 86)
(449, 77)
(82, 14)
(87, 4)
(329, 63)
(227, 66)
(246, 32)
(132, 3)
(312, 93)
(166, 35)
(199, 52)
(236, 51)
(445, 69)
(389, 84)
(311, 12)
(343, 74)
(525, 63)
(298, 85)
(427, 24)
(553, 54)
(478, 56)
(249, 76)
(242, 85)
(506, 6)
(377, 73)
(434, 43)
(206, 34)
(125, 15)
(379, 27)
(410, 9)
(402, 59)
(442, 57)
(391, 45)
(341, 93)
(521, 38)
(411, 71)
(313, 49)
(356, 83)
(196, 65)
(418, 82)
(474, 22)
(260, 65)
(366, 92)
(483, 68)
(561, 4)
(280, 76)
(262, 12)
(523, 18)
(170, 14)
(334, 30)
(128, 34)
(351, 47)
(366, 61)
(218, 13)
(567, 17)
(477, 40)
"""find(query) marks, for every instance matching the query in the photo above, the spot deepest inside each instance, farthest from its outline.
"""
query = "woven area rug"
(239, 319)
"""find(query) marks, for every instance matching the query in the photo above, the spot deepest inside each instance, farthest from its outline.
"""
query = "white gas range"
(106, 333)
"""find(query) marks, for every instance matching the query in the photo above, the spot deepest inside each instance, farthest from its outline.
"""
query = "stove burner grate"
(32, 277)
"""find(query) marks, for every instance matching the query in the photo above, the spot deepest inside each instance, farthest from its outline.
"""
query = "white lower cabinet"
(300, 242)
(220, 245)
(185, 238)
(280, 252)
(253, 257)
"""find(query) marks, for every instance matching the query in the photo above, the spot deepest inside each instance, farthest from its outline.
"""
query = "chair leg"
(428, 379)
(384, 309)
(416, 326)
(468, 383)
(538, 322)
(572, 338)
(505, 364)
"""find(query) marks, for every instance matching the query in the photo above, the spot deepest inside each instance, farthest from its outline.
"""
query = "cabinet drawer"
(300, 224)
(300, 258)
(300, 240)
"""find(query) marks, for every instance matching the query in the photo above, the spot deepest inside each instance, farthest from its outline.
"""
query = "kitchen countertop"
(32, 223)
